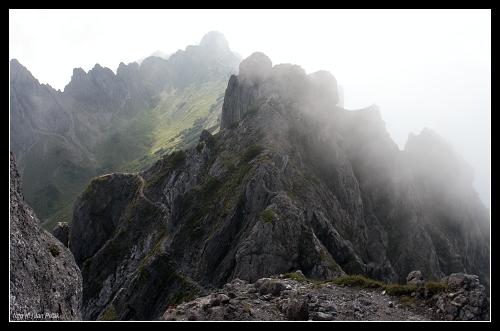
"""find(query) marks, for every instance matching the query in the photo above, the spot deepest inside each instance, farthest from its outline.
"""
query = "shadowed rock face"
(291, 182)
(45, 282)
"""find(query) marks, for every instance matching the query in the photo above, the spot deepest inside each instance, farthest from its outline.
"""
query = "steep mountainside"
(291, 182)
(45, 282)
(103, 123)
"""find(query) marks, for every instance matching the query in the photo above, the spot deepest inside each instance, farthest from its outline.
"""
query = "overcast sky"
(423, 68)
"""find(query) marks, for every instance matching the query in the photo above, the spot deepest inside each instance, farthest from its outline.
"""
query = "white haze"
(423, 68)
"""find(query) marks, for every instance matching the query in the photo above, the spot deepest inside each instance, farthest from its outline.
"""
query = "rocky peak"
(324, 89)
(78, 74)
(429, 152)
(15, 68)
(211, 58)
(255, 68)
(258, 81)
(130, 74)
(79, 82)
(100, 90)
(215, 40)
(21, 78)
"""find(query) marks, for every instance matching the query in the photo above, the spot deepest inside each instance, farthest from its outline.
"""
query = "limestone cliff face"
(45, 282)
(291, 182)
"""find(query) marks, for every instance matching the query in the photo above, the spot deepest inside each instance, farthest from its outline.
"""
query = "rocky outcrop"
(89, 236)
(212, 58)
(259, 79)
(61, 232)
(464, 299)
(45, 282)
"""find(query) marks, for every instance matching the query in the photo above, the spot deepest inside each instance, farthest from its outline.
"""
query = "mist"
(423, 68)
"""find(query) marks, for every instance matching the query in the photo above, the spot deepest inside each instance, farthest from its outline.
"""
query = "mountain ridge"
(104, 122)
(291, 182)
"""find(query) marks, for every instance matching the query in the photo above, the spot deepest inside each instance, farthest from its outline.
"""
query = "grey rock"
(258, 80)
(61, 232)
(204, 135)
(464, 299)
(415, 278)
(45, 282)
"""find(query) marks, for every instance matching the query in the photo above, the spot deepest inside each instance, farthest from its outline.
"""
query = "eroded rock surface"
(45, 282)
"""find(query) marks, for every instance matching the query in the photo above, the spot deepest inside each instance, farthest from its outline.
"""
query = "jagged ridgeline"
(292, 181)
(103, 123)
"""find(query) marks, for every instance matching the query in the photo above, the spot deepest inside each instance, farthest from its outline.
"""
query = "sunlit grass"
(174, 124)
(404, 292)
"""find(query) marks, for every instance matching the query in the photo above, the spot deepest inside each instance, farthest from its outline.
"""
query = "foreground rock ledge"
(287, 299)
(291, 300)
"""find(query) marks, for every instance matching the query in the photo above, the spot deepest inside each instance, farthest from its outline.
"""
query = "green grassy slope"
(174, 123)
